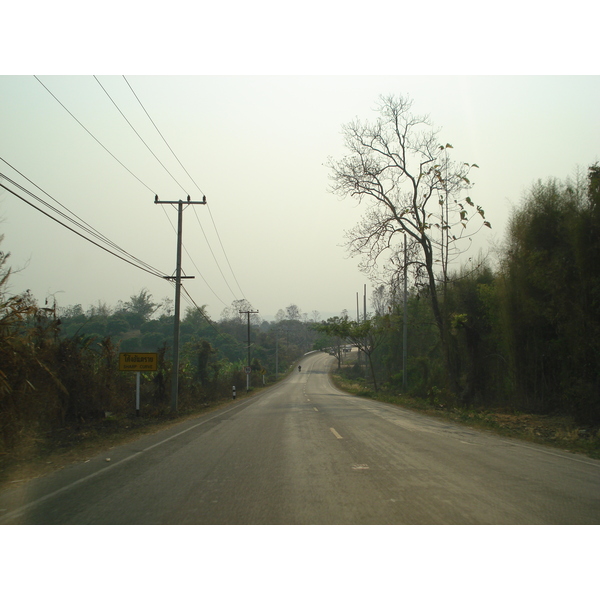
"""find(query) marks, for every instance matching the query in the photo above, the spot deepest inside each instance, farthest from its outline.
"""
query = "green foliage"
(141, 305)
(524, 337)
(59, 367)
(366, 336)
(551, 278)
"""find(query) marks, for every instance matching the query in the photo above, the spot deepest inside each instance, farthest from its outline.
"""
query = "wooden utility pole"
(177, 277)
(405, 322)
(248, 312)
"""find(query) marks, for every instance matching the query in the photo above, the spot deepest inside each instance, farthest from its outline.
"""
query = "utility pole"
(248, 312)
(404, 322)
(364, 321)
(177, 277)
(358, 323)
(278, 330)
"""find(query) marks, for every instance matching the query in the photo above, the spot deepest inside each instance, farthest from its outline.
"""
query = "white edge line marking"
(337, 435)
(585, 462)
(509, 441)
(20, 510)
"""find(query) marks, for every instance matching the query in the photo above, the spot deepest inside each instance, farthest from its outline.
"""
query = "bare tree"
(400, 170)
(233, 313)
(293, 313)
(380, 300)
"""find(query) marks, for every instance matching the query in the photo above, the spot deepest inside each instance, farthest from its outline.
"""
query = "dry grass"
(39, 454)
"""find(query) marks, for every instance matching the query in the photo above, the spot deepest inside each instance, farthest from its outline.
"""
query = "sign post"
(138, 362)
(137, 394)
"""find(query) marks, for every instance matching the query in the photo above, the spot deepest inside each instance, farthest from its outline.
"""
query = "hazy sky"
(255, 127)
(256, 146)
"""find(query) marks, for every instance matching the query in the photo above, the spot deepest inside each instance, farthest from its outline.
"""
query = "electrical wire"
(193, 302)
(95, 138)
(224, 253)
(135, 131)
(86, 226)
(195, 265)
(213, 254)
(162, 136)
(174, 179)
(82, 224)
(200, 190)
(107, 150)
(189, 299)
(154, 272)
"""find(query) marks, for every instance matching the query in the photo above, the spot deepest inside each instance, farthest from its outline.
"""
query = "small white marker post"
(234, 392)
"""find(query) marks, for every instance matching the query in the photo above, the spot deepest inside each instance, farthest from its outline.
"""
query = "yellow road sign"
(138, 361)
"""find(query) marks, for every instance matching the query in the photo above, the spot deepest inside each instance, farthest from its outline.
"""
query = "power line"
(198, 187)
(136, 132)
(87, 228)
(204, 315)
(154, 272)
(213, 254)
(107, 150)
(195, 265)
(224, 253)
(93, 232)
(174, 179)
(162, 136)
(95, 138)
(207, 318)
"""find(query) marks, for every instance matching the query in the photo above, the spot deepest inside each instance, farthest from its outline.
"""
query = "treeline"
(524, 331)
(59, 366)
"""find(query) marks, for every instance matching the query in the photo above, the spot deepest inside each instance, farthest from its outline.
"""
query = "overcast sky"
(256, 145)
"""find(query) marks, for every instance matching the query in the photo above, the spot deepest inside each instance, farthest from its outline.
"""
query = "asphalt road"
(303, 452)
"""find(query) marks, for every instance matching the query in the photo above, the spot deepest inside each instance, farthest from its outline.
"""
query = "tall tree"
(551, 281)
(141, 305)
(234, 312)
(400, 170)
(293, 313)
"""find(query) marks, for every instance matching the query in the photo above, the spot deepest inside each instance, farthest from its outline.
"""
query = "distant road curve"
(303, 452)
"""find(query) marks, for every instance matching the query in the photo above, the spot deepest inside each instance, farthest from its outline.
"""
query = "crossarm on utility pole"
(178, 277)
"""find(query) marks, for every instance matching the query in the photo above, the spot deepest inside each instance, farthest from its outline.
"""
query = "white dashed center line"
(337, 435)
